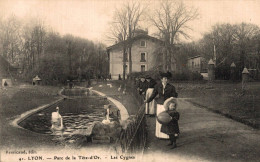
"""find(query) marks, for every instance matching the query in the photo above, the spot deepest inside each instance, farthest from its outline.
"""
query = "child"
(172, 128)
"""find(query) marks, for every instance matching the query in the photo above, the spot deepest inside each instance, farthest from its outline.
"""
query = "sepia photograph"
(130, 80)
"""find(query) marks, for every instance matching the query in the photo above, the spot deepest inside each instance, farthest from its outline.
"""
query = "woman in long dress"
(150, 107)
(165, 91)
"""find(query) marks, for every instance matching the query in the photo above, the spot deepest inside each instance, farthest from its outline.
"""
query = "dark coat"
(172, 127)
(151, 84)
(142, 86)
(169, 91)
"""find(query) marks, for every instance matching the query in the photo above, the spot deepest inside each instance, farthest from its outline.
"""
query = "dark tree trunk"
(130, 58)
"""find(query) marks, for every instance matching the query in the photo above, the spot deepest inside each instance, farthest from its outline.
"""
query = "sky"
(90, 18)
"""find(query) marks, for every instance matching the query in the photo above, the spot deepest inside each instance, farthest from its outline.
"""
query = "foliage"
(37, 50)
(186, 75)
(123, 28)
(225, 44)
(171, 20)
(237, 43)
(176, 76)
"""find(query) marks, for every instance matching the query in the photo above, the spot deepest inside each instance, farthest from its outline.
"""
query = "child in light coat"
(172, 128)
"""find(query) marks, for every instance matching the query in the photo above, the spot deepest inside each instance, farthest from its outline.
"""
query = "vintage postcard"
(129, 80)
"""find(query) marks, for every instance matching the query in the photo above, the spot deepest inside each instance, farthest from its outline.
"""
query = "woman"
(150, 107)
(165, 91)
(142, 86)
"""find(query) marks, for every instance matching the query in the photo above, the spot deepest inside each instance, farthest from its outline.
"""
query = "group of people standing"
(145, 88)
(161, 97)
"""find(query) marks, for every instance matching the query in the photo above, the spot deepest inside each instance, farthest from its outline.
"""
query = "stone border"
(123, 111)
(26, 114)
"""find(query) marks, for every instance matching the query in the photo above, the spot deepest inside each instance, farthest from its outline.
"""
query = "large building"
(145, 54)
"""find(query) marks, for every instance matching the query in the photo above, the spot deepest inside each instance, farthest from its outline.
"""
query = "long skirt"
(158, 132)
(150, 107)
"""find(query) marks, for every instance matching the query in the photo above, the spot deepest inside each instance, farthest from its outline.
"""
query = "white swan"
(57, 121)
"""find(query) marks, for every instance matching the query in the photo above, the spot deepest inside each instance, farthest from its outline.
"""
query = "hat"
(142, 76)
(57, 108)
(148, 77)
(167, 74)
(169, 101)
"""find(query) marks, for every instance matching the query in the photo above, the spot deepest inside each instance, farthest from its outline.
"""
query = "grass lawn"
(129, 100)
(20, 98)
(226, 99)
(221, 97)
(17, 100)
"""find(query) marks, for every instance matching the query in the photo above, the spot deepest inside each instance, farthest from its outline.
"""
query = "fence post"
(211, 70)
(245, 74)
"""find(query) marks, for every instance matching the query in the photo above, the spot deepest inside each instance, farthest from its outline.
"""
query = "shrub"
(154, 74)
(176, 76)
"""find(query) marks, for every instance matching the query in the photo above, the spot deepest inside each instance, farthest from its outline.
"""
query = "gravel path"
(205, 136)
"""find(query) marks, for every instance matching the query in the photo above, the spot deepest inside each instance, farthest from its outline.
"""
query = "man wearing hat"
(150, 107)
(165, 91)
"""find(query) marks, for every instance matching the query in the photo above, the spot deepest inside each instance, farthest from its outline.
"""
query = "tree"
(10, 39)
(233, 43)
(244, 35)
(56, 57)
(171, 19)
(123, 28)
(34, 39)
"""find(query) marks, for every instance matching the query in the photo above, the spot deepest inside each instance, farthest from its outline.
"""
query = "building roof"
(194, 57)
(134, 39)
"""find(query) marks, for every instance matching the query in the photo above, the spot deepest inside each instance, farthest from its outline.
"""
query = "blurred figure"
(136, 82)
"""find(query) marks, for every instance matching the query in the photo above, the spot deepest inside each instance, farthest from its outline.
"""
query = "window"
(142, 68)
(143, 43)
(143, 57)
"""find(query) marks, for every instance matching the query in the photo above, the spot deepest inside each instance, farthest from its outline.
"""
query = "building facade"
(197, 64)
(144, 54)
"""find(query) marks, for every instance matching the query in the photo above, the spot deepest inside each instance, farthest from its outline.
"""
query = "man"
(165, 91)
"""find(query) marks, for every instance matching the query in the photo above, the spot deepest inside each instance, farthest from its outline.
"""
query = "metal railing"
(133, 139)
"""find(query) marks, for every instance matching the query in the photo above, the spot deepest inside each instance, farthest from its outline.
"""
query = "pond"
(78, 114)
